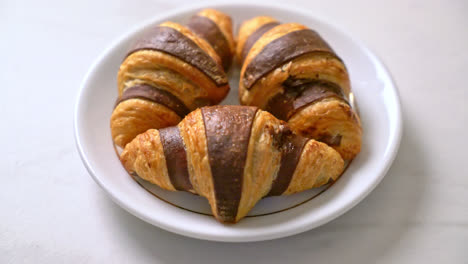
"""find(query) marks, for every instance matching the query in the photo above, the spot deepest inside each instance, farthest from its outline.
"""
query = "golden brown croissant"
(169, 72)
(290, 71)
(233, 156)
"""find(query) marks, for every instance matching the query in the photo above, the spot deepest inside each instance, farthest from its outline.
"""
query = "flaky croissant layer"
(290, 71)
(233, 156)
(171, 70)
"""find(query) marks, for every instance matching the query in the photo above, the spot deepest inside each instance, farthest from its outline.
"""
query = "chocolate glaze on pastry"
(294, 97)
(227, 167)
(171, 41)
(209, 30)
(151, 93)
(235, 155)
(293, 73)
(168, 72)
(280, 50)
(254, 37)
(176, 158)
(291, 153)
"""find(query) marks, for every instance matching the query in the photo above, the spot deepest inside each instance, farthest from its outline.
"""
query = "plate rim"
(394, 142)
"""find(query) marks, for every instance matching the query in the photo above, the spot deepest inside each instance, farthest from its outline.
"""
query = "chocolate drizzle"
(282, 50)
(254, 37)
(290, 156)
(176, 158)
(299, 93)
(209, 30)
(173, 42)
(227, 153)
(153, 94)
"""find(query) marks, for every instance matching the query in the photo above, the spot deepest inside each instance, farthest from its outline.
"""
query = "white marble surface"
(52, 212)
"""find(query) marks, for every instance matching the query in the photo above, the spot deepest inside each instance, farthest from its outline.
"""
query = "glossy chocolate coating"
(254, 37)
(227, 131)
(282, 50)
(151, 93)
(173, 42)
(176, 158)
(291, 153)
(303, 93)
(209, 30)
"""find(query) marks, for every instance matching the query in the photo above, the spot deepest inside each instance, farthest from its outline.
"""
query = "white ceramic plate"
(273, 217)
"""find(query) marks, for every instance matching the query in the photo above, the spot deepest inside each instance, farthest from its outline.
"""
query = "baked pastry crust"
(132, 116)
(226, 147)
(293, 73)
(166, 74)
(332, 121)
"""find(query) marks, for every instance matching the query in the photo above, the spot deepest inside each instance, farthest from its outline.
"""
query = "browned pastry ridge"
(233, 156)
(290, 71)
(170, 71)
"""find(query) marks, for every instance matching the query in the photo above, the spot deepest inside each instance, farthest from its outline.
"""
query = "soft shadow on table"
(363, 235)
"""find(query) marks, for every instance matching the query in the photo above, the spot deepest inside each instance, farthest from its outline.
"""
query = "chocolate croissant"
(233, 156)
(166, 74)
(290, 71)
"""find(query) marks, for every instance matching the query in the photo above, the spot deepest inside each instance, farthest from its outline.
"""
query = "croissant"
(233, 156)
(290, 71)
(170, 71)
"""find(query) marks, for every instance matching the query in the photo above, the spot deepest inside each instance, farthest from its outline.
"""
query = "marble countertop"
(51, 211)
